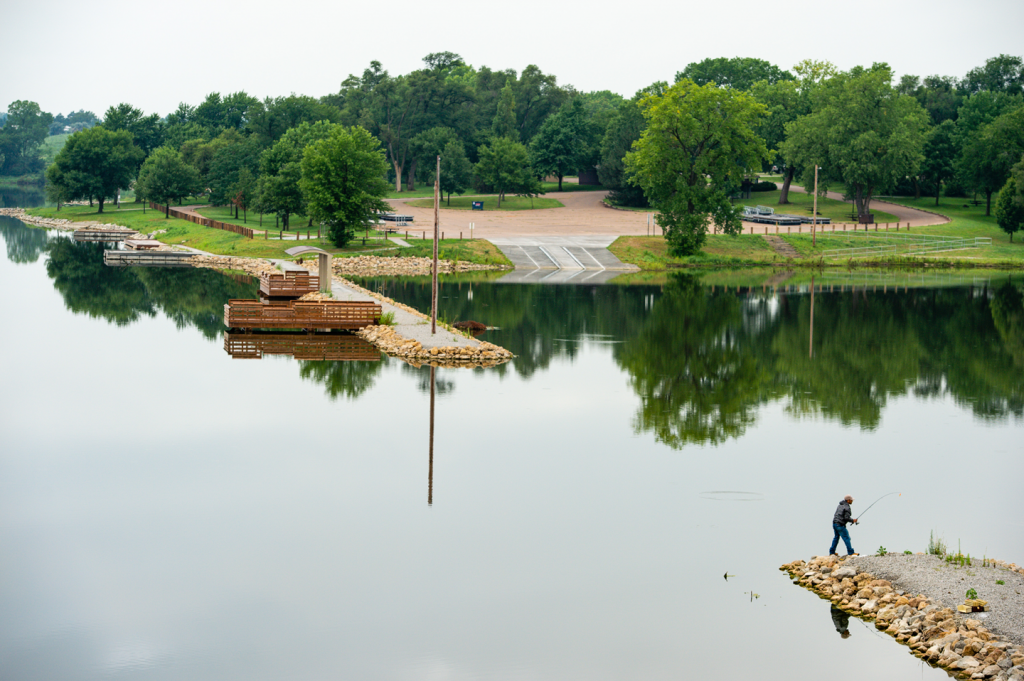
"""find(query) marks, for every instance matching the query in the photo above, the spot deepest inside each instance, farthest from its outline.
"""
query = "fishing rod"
(873, 503)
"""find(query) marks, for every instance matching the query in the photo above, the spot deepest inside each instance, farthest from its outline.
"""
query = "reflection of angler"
(842, 622)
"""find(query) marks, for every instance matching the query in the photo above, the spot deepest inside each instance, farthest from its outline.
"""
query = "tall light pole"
(814, 211)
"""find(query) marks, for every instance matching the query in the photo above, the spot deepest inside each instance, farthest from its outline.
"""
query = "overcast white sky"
(73, 55)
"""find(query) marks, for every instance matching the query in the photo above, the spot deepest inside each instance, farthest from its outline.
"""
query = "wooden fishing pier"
(313, 314)
(335, 347)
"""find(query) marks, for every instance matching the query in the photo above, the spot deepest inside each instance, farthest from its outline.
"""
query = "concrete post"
(324, 263)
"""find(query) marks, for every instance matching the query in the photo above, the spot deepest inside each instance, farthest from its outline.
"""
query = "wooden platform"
(104, 235)
(334, 314)
(335, 347)
(147, 258)
(290, 284)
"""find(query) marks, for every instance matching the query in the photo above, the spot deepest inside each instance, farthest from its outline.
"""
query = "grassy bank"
(966, 221)
(221, 242)
(490, 203)
(466, 250)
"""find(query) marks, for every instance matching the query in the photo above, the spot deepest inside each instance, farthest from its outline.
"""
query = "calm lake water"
(168, 511)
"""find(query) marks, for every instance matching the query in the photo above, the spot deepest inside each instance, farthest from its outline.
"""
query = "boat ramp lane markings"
(569, 253)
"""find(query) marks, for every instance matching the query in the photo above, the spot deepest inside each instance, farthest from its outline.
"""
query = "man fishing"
(839, 521)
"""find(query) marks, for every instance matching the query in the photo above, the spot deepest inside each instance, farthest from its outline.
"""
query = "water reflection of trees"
(24, 245)
(341, 379)
(703, 363)
(695, 366)
(191, 297)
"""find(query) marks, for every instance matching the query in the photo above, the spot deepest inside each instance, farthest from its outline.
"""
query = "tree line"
(683, 149)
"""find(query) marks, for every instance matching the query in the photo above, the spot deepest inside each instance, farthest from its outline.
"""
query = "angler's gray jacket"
(843, 515)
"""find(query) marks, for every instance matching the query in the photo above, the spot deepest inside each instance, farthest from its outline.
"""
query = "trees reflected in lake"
(701, 361)
(191, 297)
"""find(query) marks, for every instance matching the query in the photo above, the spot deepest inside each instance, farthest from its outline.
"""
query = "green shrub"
(999, 581)
(936, 547)
(882, 551)
(764, 187)
(972, 594)
(387, 319)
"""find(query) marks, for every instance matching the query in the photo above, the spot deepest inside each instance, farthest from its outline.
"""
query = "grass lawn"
(466, 250)
(967, 221)
(490, 203)
(185, 233)
(52, 145)
(651, 252)
(567, 186)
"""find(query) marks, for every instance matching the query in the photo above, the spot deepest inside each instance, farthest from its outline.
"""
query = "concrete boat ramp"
(569, 256)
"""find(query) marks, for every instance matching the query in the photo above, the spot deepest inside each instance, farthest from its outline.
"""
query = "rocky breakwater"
(253, 266)
(412, 351)
(939, 635)
(57, 223)
(372, 265)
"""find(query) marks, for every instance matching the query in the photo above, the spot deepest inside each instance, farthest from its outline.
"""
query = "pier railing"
(200, 220)
(332, 314)
(288, 284)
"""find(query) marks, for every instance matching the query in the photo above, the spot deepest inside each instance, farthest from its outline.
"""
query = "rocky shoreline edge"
(938, 635)
(384, 338)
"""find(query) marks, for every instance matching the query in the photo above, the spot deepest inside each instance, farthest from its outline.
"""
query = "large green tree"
(988, 155)
(739, 73)
(1004, 73)
(165, 176)
(566, 142)
(25, 128)
(1010, 208)
(698, 145)
(624, 128)
(456, 170)
(280, 191)
(940, 154)
(862, 132)
(147, 131)
(504, 166)
(343, 181)
(95, 164)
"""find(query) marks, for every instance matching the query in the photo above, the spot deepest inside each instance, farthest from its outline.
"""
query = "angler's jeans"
(840, 531)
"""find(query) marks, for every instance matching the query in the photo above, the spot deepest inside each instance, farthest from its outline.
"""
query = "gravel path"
(947, 584)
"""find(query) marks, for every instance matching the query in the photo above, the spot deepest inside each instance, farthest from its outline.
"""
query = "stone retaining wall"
(940, 636)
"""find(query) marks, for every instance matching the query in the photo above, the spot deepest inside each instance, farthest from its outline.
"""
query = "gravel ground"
(947, 584)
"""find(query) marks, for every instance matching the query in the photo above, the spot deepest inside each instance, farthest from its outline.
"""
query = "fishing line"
(875, 502)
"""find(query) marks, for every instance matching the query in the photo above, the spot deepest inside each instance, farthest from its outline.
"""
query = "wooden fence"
(334, 314)
(200, 220)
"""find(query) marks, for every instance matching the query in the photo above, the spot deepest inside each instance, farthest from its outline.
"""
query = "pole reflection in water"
(430, 471)
(810, 347)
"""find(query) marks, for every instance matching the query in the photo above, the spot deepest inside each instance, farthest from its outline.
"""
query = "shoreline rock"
(939, 635)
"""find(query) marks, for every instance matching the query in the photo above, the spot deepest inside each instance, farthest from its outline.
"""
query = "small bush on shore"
(936, 546)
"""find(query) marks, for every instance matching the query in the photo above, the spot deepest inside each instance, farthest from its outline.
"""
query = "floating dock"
(147, 258)
(103, 235)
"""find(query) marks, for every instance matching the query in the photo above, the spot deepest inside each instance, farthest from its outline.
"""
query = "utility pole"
(814, 210)
(433, 283)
